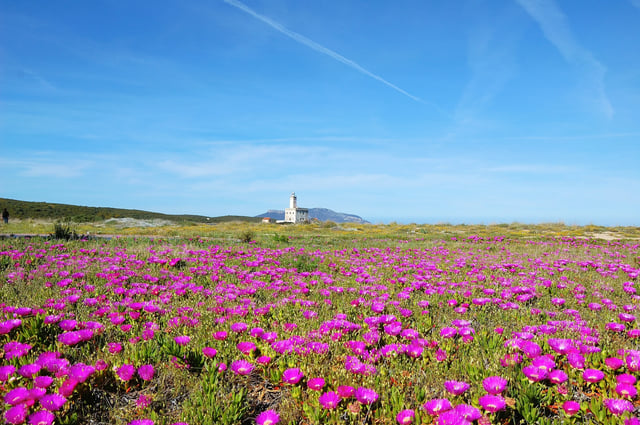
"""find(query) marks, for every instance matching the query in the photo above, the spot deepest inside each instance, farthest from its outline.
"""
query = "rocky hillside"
(322, 214)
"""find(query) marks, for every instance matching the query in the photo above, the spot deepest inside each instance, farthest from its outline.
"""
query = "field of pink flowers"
(466, 330)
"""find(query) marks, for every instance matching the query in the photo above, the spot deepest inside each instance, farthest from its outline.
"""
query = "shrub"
(64, 231)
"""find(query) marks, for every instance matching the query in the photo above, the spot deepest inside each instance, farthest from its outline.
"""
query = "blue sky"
(410, 111)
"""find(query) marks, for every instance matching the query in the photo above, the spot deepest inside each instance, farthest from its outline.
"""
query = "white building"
(293, 214)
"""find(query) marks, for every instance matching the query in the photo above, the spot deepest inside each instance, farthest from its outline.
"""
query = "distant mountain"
(322, 214)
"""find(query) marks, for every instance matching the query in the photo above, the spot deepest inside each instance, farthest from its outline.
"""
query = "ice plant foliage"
(369, 330)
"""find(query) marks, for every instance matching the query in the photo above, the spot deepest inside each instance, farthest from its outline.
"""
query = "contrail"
(317, 47)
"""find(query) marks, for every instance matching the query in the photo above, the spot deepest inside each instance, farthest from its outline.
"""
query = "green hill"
(81, 214)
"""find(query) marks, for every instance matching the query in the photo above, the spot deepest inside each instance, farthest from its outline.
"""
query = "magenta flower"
(28, 370)
(592, 375)
(451, 417)
(492, 403)
(576, 360)
(143, 401)
(182, 339)
(329, 400)
(469, 413)
(534, 374)
(52, 402)
(43, 381)
(70, 338)
(456, 387)
(558, 376)
(618, 406)
(220, 335)
(6, 372)
(239, 327)
(441, 355)
(437, 406)
(627, 390)
(16, 396)
(366, 395)
(68, 386)
(405, 417)
(126, 372)
(561, 346)
(626, 378)
(209, 352)
(81, 372)
(571, 407)
(268, 417)
(292, 376)
(114, 347)
(315, 384)
(16, 414)
(263, 360)
(494, 384)
(41, 417)
(246, 347)
(146, 372)
(141, 422)
(614, 362)
(414, 350)
(242, 367)
(345, 391)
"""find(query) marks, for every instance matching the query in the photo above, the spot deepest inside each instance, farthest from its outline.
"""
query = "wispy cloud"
(45, 168)
(317, 47)
(556, 29)
(531, 169)
(636, 3)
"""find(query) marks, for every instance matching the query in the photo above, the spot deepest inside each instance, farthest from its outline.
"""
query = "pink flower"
(292, 376)
(571, 407)
(246, 347)
(6, 372)
(558, 376)
(456, 387)
(268, 417)
(16, 414)
(16, 396)
(43, 381)
(614, 362)
(143, 401)
(494, 384)
(241, 367)
(28, 370)
(345, 391)
(41, 417)
(405, 417)
(627, 390)
(618, 406)
(220, 335)
(52, 402)
(437, 406)
(209, 352)
(366, 395)
(592, 375)
(114, 347)
(126, 372)
(492, 403)
(315, 384)
(329, 400)
(182, 339)
(81, 372)
(146, 372)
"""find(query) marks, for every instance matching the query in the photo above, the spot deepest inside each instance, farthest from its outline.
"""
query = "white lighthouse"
(293, 214)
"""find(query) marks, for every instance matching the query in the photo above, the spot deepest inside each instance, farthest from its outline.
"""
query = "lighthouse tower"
(293, 201)
(293, 214)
